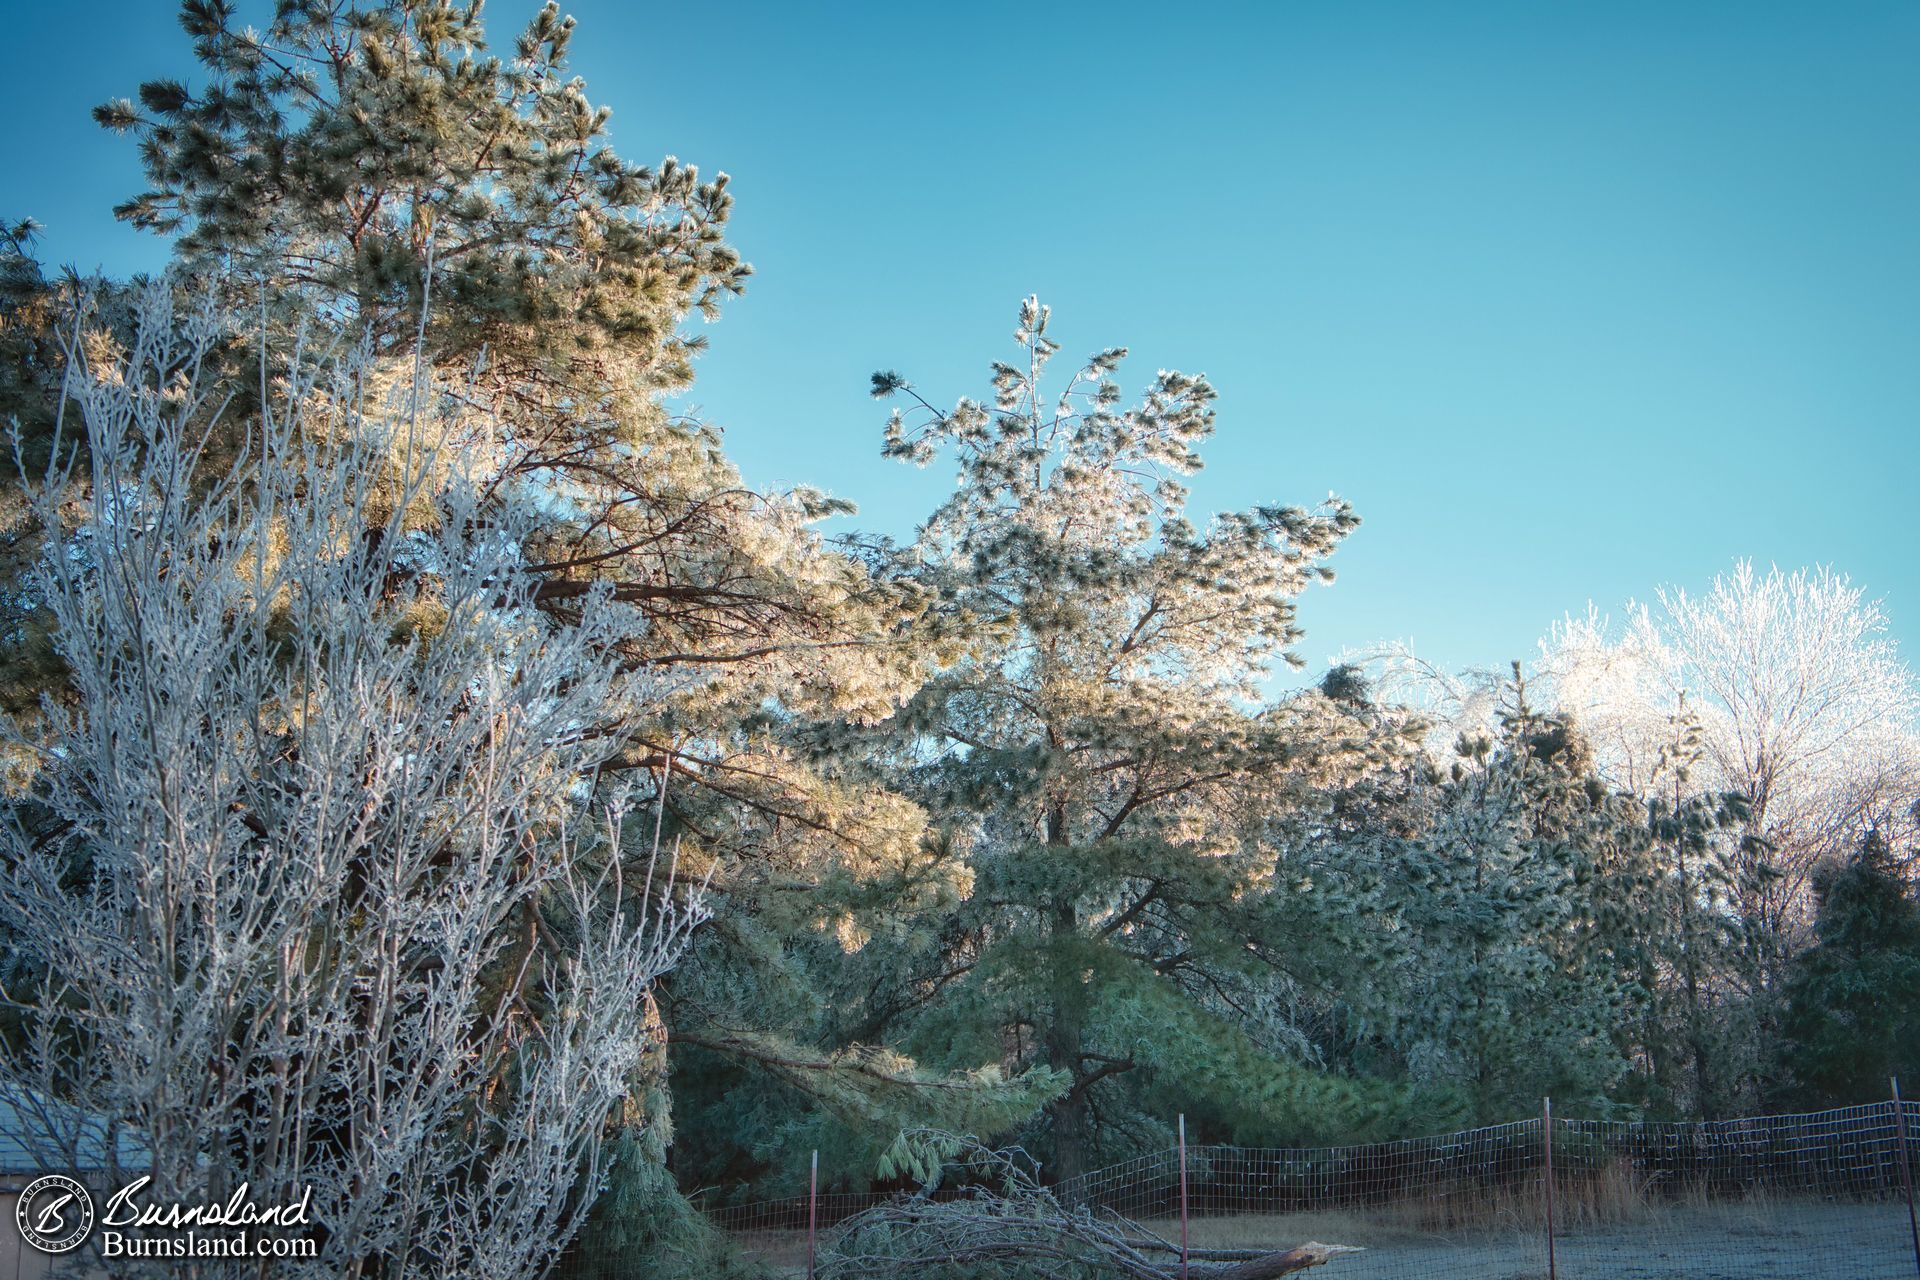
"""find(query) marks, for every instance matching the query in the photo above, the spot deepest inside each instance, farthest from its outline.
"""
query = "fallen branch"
(1014, 1220)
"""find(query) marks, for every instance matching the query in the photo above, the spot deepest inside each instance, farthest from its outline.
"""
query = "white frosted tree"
(1804, 706)
(1445, 704)
(311, 883)
(1770, 724)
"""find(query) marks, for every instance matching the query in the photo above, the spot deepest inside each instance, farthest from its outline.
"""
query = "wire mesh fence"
(1818, 1196)
(1804, 1196)
(1600, 1166)
(776, 1230)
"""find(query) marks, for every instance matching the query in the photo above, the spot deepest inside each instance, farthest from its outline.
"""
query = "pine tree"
(1523, 896)
(1693, 929)
(30, 361)
(30, 369)
(345, 147)
(443, 204)
(1101, 757)
(377, 161)
(1853, 1000)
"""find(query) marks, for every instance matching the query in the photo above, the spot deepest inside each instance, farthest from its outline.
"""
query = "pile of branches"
(1003, 1219)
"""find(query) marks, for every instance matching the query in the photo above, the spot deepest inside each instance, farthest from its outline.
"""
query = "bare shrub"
(312, 884)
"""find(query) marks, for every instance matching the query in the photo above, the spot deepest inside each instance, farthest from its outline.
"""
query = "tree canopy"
(1026, 827)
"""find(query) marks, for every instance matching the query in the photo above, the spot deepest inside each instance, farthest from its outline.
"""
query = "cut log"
(1311, 1254)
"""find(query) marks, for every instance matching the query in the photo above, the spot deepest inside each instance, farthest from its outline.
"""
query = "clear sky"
(1568, 300)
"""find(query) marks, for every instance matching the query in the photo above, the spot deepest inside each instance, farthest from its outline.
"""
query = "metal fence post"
(1906, 1171)
(1183, 1197)
(813, 1207)
(1546, 1147)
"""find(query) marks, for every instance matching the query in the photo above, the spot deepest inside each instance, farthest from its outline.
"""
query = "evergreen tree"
(464, 210)
(1693, 930)
(30, 361)
(1101, 756)
(1853, 1000)
(30, 368)
(1346, 944)
(378, 161)
(1523, 895)
(347, 146)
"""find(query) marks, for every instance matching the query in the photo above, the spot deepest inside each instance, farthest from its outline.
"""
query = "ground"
(1757, 1241)
(1750, 1241)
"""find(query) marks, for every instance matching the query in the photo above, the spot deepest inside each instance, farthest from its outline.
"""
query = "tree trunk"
(1696, 1042)
(1066, 1051)
(1065, 1033)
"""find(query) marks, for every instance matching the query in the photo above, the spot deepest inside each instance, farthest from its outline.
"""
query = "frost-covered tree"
(1521, 891)
(1696, 1045)
(312, 881)
(1102, 757)
(1445, 702)
(1804, 708)
(364, 158)
(360, 158)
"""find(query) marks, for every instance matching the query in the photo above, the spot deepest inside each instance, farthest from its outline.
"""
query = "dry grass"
(1283, 1230)
(783, 1252)
(1612, 1197)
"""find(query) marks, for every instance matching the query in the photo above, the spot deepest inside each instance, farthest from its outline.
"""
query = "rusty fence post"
(1906, 1171)
(813, 1207)
(1183, 1197)
(1546, 1147)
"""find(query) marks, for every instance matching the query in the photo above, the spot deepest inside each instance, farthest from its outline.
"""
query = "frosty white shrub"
(313, 884)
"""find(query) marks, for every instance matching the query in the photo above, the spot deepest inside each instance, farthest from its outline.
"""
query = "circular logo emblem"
(54, 1214)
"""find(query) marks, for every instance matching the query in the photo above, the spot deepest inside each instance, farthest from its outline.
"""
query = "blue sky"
(1568, 300)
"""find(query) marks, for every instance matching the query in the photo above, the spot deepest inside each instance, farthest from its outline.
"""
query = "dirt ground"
(1729, 1242)
(1794, 1241)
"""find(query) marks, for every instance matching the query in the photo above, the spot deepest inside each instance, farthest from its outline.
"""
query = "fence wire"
(1817, 1196)
(1803, 1196)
